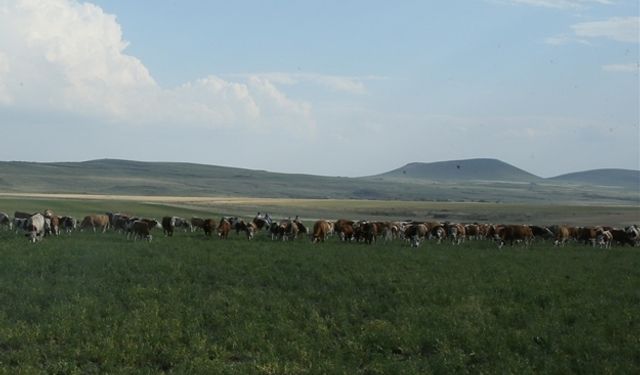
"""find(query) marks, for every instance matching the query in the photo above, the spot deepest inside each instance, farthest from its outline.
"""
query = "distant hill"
(463, 170)
(476, 180)
(603, 177)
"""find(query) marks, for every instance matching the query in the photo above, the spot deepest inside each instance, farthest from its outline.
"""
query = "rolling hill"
(603, 177)
(475, 180)
(464, 170)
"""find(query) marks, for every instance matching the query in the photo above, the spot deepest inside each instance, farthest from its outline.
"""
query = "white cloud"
(622, 68)
(352, 85)
(63, 55)
(560, 40)
(621, 29)
(561, 4)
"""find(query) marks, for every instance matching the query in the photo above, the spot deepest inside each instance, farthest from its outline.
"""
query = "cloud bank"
(70, 57)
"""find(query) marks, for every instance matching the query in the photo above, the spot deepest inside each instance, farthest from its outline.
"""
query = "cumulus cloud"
(64, 55)
(621, 29)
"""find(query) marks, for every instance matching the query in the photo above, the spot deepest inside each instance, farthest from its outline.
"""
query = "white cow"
(5, 221)
(35, 228)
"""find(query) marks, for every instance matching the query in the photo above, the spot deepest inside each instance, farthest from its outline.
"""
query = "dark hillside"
(603, 177)
(476, 180)
(457, 170)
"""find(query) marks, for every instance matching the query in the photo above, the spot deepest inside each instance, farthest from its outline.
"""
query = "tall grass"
(93, 303)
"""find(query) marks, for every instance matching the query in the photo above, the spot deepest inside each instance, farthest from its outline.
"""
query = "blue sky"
(333, 88)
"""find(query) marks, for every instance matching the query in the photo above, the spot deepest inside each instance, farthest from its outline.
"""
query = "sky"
(336, 88)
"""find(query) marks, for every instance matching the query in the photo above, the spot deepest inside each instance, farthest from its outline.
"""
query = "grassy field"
(99, 303)
(312, 209)
(94, 303)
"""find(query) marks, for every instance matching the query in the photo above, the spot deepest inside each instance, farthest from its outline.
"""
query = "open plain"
(99, 302)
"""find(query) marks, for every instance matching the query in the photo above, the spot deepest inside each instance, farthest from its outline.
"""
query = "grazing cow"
(634, 233)
(345, 229)
(393, 231)
(282, 230)
(562, 236)
(22, 215)
(622, 237)
(472, 231)
(321, 230)
(196, 223)
(300, 226)
(224, 227)
(168, 224)
(262, 221)
(455, 232)
(150, 224)
(604, 238)
(511, 234)
(416, 233)
(68, 224)
(35, 228)
(48, 213)
(5, 221)
(141, 229)
(207, 226)
(95, 222)
(249, 228)
(52, 225)
(587, 235)
(543, 233)
(122, 223)
(19, 224)
(438, 232)
(369, 231)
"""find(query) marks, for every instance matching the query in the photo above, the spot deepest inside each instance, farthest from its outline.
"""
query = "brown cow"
(141, 229)
(512, 234)
(455, 232)
(321, 230)
(369, 231)
(563, 234)
(472, 231)
(95, 222)
(438, 232)
(344, 228)
(196, 223)
(416, 233)
(224, 227)
(52, 225)
(587, 235)
(207, 226)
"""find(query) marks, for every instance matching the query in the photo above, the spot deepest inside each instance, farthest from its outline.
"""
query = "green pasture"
(99, 303)
(312, 209)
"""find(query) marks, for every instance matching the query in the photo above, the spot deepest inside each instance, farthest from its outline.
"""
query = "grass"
(94, 303)
(538, 214)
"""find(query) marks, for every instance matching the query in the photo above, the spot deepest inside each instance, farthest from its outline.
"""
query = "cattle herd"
(36, 226)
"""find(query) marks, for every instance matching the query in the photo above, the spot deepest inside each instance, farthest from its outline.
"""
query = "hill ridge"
(479, 180)
(484, 169)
